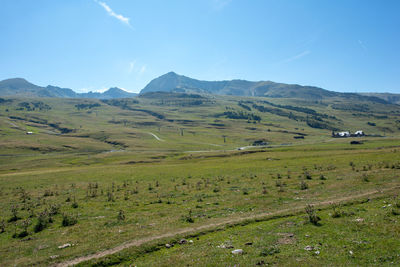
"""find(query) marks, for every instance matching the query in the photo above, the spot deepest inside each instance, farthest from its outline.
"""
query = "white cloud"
(110, 12)
(220, 4)
(296, 57)
(131, 66)
(142, 69)
(362, 45)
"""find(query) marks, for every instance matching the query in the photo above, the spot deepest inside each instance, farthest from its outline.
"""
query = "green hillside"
(79, 176)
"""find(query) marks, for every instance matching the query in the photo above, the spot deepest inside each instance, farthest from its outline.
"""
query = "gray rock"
(64, 246)
(237, 251)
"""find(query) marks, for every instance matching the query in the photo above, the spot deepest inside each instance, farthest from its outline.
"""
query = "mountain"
(113, 92)
(23, 88)
(389, 97)
(172, 82)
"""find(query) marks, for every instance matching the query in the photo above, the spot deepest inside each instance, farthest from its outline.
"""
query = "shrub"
(322, 177)
(336, 212)
(395, 211)
(303, 185)
(121, 215)
(2, 226)
(312, 216)
(14, 212)
(68, 220)
(54, 210)
(110, 197)
(42, 222)
(365, 178)
(270, 251)
(307, 175)
(189, 217)
(74, 205)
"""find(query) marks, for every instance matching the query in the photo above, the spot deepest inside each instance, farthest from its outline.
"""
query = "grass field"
(96, 174)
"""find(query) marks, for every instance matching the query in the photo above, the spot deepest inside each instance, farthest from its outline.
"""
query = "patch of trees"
(350, 107)
(61, 129)
(182, 102)
(319, 124)
(241, 104)
(31, 106)
(87, 105)
(300, 109)
(240, 115)
(4, 101)
(122, 103)
(277, 111)
(371, 123)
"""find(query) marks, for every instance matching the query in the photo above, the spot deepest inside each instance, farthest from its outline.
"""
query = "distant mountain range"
(172, 82)
(23, 88)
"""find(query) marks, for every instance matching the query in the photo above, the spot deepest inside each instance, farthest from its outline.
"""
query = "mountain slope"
(389, 97)
(172, 82)
(21, 87)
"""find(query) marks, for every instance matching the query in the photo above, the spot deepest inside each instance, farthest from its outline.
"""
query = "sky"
(92, 45)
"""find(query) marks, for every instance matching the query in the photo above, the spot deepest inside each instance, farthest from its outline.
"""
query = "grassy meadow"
(97, 174)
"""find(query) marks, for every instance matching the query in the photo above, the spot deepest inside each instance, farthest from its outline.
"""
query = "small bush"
(41, 223)
(121, 215)
(2, 226)
(74, 205)
(68, 220)
(322, 177)
(312, 216)
(14, 212)
(365, 178)
(336, 212)
(270, 251)
(189, 217)
(54, 210)
(395, 211)
(303, 185)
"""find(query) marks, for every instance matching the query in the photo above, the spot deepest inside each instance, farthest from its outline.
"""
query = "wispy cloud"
(131, 66)
(362, 45)
(296, 57)
(220, 4)
(142, 69)
(110, 12)
(135, 68)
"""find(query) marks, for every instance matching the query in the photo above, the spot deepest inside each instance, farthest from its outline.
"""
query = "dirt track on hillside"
(192, 230)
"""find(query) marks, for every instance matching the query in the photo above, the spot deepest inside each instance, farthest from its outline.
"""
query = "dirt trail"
(191, 230)
(156, 137)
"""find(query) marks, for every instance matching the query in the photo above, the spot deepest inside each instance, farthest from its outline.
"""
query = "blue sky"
(341, 45)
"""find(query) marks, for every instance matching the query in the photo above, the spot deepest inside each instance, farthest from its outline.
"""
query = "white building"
(344, 134)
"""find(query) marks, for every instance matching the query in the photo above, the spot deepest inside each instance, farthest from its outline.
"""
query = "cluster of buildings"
(358, 133)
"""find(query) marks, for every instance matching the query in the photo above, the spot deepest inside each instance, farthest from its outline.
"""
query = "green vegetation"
(92, 175)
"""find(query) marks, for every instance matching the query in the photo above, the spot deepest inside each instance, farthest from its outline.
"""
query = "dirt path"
(156, 137)
(191, 230)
